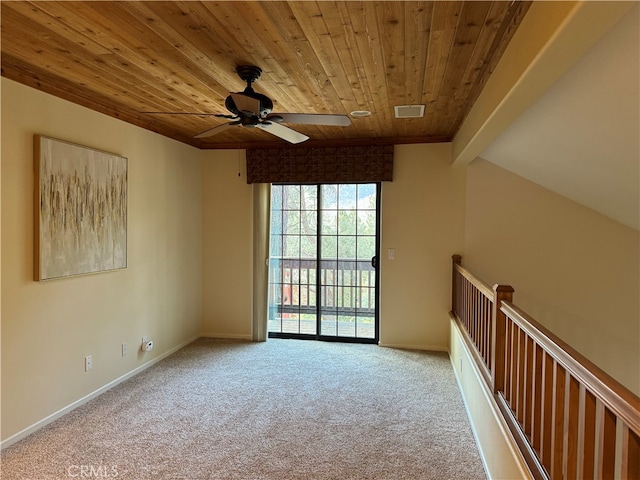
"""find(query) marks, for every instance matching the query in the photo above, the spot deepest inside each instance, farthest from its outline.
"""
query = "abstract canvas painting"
(81, 210)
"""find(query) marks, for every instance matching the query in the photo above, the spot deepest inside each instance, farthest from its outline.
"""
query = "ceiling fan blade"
(313, 119)
(216, 130)
(221, 115)
(283, 132)
(245, 103)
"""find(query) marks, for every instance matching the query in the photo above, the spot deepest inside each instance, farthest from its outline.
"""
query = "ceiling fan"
(250, 109)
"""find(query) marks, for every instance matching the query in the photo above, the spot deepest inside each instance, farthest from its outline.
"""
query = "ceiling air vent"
(409, 111)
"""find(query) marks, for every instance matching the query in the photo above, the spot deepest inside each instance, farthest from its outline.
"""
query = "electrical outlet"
(124, 349)
(145, 340)
(88, 363)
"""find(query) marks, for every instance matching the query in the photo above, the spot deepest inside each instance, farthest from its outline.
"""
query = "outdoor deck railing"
(569, 418)
(347, 287)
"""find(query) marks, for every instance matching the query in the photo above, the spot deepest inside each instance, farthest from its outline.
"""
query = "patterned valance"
(352, 164)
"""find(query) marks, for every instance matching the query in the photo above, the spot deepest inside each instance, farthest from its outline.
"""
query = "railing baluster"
(538, 381)
(477, 321)
(607, 460)
(580, 431)
(356, 289)
(482, 320)
(459, 294)
(508, 371)
(479, 325)
(469, 313)
(557, 451)
(470, 318)
(589, 435)
(467, 299)
(486, 315)
(630, 454)
(513, 372)
(460, 306)
(463, 305)
(472, 314)
(522, 364)
(340, 280)
(488, 338)
(573, 416)
(547, 411)
(462, 310)
(371, 282)
(456, 300)
(490, 341)
(528, 387)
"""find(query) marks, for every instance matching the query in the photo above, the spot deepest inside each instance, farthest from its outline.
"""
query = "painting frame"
(80, 210)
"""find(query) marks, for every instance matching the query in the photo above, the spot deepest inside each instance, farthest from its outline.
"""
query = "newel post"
(457, 260)
(501, 293)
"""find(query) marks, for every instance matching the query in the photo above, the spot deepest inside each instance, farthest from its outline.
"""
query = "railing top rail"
(485, 289)
(326, 263)
(621, 401)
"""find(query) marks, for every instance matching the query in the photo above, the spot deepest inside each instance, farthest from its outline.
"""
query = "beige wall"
(423, 221)
(573, 269)
(228, 246)
(48, 328)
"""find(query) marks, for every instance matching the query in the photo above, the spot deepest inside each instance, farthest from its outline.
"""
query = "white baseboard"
(430, 348)
(226, 336)
(54, 416)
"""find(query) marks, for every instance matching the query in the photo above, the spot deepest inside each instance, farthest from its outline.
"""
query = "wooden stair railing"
(473, 303)
(570, 419)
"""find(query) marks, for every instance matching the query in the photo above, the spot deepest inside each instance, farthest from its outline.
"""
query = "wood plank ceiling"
(126, 58)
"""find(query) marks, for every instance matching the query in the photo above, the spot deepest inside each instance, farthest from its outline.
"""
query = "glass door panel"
(323, 282)
(348, 216)
(293, 260)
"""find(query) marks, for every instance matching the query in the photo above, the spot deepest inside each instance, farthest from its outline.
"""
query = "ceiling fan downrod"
(249, 73)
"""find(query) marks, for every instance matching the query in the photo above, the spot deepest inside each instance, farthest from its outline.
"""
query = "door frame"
(336, 338)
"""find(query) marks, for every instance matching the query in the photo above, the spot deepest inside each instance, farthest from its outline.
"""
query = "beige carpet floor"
(284, 409)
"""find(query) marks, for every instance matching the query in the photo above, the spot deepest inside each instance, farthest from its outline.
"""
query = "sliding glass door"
(323, 262)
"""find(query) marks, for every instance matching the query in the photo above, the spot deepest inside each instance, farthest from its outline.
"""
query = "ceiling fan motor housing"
(249, 74)
(266, 105)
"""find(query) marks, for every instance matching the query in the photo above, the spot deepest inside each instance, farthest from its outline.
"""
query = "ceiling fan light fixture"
(409, 111)
(360, 113)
